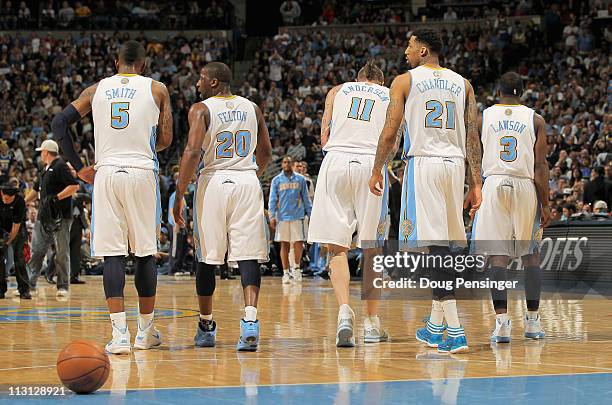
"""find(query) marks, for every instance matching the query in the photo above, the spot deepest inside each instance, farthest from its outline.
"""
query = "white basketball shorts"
(508, 221)
(126, 212)
(432, 202)
(229, 217)
(290, 231)
(343, 203)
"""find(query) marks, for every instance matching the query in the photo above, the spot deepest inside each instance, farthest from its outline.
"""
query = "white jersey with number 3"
(358, 118)
(508, 139)
(434, 113)
(125, 117)
(231, 137)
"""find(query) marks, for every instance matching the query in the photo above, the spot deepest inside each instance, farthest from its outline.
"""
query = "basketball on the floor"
(83, 366)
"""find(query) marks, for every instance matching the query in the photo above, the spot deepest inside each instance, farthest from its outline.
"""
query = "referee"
(55, 189)
(13, 234)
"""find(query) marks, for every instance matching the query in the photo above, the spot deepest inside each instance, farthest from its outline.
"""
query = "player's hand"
(87, 174)
(545, 217)
(473, 200)
(273, 223)
(376, 184)
(177, 210)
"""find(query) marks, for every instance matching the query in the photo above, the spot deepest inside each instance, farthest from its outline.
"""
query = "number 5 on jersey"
(120, 118)
(228, 144)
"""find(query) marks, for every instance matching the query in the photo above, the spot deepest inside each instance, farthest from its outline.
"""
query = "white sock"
(145, 320)
(206, 317)
(250, 313)
(532, 314)
(285, 271)
(437, 313)
(297, 270)
(503, 318)
(345, 311)
(119, 321)
(450, 313)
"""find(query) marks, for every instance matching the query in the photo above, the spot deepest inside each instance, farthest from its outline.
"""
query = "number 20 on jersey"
(230, 144)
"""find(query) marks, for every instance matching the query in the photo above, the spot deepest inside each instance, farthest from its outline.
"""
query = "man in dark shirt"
(13, 234)
(55, 187)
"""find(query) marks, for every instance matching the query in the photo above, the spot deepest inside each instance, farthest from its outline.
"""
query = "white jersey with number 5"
(358, 118)
(434, 113)
(125, 117)
(508, 139)
(231, 137)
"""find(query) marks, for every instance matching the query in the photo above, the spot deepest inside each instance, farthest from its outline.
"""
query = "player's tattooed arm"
(326, 121)
(83, 103)
(388, 139)
(473, 147)
(541, 170)
(165, 123)
(263, 150)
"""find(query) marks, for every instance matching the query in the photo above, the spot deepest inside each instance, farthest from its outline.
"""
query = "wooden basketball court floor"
(298, 362)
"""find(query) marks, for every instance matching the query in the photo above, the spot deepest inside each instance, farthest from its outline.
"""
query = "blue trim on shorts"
(534, 245)
(384, 207)
(408, 219)
(93, 221)
(158, 207)
(196, 223)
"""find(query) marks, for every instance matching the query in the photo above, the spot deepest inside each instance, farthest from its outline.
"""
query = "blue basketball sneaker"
(249, 336)
(455, 341)
(206, 334)
(432, 335)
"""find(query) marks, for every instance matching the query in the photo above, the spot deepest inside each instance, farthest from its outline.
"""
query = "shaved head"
(219, 71)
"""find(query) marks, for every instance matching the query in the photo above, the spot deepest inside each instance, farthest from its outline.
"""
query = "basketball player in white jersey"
(132, 121)
(439, 107)
(353, 118)
(230, 133)
(514, 200)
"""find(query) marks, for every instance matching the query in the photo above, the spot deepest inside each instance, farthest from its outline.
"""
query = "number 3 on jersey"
(229, 143)
(120, 118)
(508, 154)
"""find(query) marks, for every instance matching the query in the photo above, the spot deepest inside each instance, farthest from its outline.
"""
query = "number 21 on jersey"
(229, 144)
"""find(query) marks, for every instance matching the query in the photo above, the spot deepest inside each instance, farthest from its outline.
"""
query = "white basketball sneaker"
(120, 343)
(372, 333)
(297, 275)
(501, 334)
(344, 331)
(147, 338)
(286, 278)
(533, 329)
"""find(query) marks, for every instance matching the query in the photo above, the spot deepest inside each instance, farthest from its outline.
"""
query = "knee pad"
(533, 286)
(145, 276)
(249, 273)
(499, 297)
(205, 279)
(113, 276)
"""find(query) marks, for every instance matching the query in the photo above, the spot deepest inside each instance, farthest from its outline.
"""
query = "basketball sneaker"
(62, 292)
(501, 334)
(372, 333)
(432, 335)
(533, 329)
(249, 336)
(147, 338)
(286, 278)
(206, 334)
(297, 275)
(455, 342)
(344, 331)
(120, 343)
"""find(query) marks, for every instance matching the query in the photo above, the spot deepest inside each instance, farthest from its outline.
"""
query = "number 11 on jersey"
(356, 106)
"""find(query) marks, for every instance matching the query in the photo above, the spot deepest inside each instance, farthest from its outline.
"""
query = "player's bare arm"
(164, 126)
(391, 131)
(541, 171)
(473, 152)
(263, 150)
(327, 115)
(61, 128)
(199, 117)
